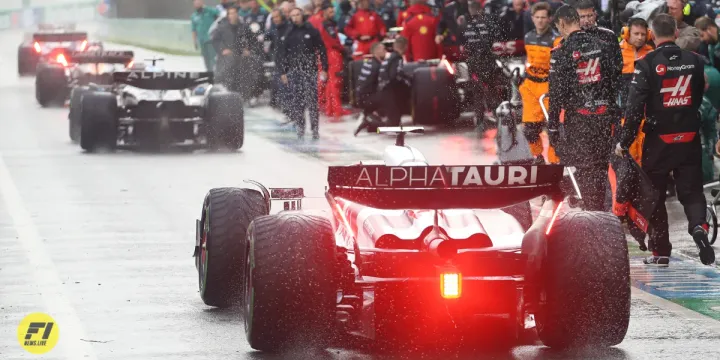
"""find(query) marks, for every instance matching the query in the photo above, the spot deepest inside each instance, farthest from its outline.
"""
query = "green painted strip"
(707, 307)
(149, 47)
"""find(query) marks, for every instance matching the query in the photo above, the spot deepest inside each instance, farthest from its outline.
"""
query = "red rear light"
(451, 285)
(61, 59)
(37, 47)
(83, 46)
(130, 64)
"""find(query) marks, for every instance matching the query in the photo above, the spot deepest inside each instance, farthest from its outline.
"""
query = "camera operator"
(583, 82)
(667, 89)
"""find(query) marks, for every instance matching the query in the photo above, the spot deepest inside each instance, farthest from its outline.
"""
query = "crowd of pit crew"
(312, 44)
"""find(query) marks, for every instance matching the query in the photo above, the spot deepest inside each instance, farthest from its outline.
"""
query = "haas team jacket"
(667, 89)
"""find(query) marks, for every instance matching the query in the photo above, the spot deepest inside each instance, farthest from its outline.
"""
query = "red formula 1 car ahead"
(413, 252)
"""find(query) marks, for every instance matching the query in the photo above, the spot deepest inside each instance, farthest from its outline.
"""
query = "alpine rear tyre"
(76, 96)
(98, 122)
(584, 297)
(225, 120)
(226, 216)
(291, 283)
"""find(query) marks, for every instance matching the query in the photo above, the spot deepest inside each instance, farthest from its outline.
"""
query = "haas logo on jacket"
(676, 91)
(589, 71)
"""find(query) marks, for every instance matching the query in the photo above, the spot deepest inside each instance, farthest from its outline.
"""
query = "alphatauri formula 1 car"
(160, 108)
(56, 78)
(47, 43)
(413, 252)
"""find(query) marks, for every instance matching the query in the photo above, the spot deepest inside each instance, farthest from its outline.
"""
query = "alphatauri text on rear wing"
(59, 36)
(102, 57)
(443, 187)
(163, 80)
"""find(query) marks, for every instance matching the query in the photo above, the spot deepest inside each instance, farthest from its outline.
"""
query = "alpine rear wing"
(443, 187)
(163, 80)
(59, 36)
(102, 57)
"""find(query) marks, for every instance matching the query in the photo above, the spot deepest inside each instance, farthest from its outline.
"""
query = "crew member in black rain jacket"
(582, 82)
(300, 48)
(394, 84)
(230, 40)
(368, 97)
(667, 90)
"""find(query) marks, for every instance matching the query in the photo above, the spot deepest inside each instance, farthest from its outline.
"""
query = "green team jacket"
(201, 21)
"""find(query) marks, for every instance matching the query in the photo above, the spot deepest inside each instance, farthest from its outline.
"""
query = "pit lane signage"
(443, 176)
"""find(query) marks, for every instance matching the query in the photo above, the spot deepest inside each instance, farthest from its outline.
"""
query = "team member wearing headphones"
(634, 45)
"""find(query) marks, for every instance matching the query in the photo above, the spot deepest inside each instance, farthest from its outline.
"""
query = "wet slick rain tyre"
(226, 216)
(50, 85)
(76, 96)
(291, 283)
(584, 298)
(226, 120)
(98, 122)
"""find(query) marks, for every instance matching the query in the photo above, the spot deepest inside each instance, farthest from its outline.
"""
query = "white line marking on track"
(57, 303)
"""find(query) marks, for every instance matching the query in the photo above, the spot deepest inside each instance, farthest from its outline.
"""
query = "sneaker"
(316, 136)
(659, 261)
(700, 235)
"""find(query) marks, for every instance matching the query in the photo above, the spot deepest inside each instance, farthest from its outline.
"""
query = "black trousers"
(685, 163)
(587, 145)
(395, 101)
(303, 95)
(594, 186)
(370, 103)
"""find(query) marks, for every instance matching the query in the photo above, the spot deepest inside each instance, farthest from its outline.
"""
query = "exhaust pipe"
(437, 244)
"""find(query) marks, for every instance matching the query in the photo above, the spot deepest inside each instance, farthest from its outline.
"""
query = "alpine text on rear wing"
(443, 187)
(162, 80)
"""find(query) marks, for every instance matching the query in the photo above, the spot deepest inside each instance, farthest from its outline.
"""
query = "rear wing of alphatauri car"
(443, 187)
(43, 37)
(102, 57)
(177, 80)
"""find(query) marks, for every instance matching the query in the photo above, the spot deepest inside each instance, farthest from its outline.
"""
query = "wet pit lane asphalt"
(103, 242)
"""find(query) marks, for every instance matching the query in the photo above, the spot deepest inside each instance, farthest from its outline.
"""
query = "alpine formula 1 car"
(150, 108)
(47, 44)
(413, 252)
(57, 77)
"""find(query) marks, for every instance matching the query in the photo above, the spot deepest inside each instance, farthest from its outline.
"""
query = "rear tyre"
(98, 122)
(225, 120)
(291, 282)
(584, 298)
(50, 85)
(74, 115)
(226, 215)
(26, 64)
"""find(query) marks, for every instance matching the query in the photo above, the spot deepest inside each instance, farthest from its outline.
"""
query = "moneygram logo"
(589, 72)
(38, 333)
(676, 91)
